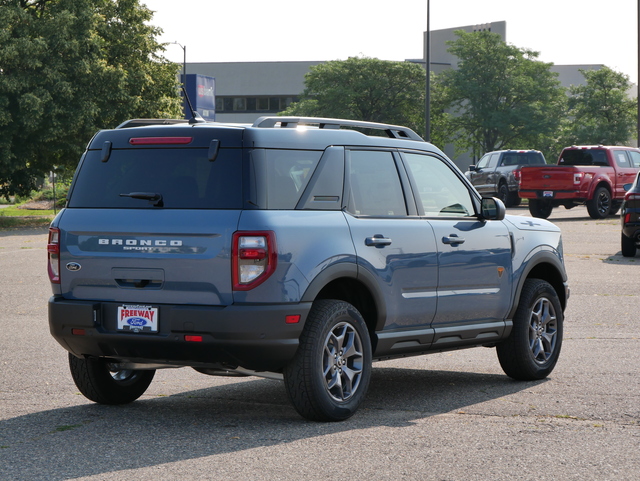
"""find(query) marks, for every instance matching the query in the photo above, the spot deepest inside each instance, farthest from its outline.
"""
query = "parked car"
(585, 175)
(298, 253)
(497, 173)
(630, 218)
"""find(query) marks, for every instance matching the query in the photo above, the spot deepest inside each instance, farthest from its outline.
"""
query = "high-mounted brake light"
(53, 252)
(254, 258)
(159, 140)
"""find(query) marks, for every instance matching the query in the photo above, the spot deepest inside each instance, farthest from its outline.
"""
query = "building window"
(239, 103)
(253, 104)
(262, 103)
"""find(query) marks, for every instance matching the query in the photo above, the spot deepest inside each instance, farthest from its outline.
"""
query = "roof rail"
(143, 122)
(393, 131)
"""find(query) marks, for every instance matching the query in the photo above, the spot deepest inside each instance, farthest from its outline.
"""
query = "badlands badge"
(138, 318)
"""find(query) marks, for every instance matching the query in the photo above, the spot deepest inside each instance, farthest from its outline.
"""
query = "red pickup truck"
(590, 175)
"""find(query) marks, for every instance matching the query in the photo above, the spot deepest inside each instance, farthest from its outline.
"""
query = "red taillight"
(159, 140)
(254, 258)
(631, 196)
(577, 178)
(53, 250)
(517, 175)
(192, 338)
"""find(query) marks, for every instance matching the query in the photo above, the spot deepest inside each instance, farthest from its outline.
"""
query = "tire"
(329, 376)
(599, 205)
(99, 384)
(628, 246)
(503, 194)
(531, 351)
(540, 208)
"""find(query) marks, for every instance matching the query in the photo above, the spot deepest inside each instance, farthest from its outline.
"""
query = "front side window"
(375, 184)
(621, 158)
(442, 192)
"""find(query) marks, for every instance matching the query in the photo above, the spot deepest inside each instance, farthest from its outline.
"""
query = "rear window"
(522, 158)
(584, 157)
(185, 179)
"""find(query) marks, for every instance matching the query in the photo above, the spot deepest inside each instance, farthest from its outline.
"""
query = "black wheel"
(98, 383)
(628, 246)
(532, 349)
(600, 205)
(540, 208)
(503, 194)
(329, 376)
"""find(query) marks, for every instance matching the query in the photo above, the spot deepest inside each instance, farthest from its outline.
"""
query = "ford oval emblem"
(74, 266)
(137, 322)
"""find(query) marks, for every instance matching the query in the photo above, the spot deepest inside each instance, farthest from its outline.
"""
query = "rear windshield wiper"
(153, 197)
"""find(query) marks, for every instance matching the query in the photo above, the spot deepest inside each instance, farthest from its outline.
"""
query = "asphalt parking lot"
(449, 416)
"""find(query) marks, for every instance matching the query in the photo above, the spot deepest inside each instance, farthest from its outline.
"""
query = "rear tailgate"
(150, 217)
(547, 178)
(142, 256)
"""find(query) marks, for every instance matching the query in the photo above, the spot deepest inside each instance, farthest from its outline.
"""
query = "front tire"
(503, 194)
(98, 383)
(532, 350)
(329, 376)
(540, 208)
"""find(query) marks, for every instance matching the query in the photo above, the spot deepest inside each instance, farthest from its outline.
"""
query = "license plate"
(134, 318)
(547, 193)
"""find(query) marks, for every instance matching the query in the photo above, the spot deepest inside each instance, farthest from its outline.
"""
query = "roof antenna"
(196, 118)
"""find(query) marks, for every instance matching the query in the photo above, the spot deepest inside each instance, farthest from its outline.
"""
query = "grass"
(12, 217)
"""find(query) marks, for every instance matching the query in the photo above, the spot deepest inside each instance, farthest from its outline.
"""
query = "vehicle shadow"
(91, 439)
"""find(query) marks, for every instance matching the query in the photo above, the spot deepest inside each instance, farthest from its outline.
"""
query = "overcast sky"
(562, 31)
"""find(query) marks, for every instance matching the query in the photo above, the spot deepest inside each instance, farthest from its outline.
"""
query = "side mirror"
(492, 209)
(472, 168)
(627, 187)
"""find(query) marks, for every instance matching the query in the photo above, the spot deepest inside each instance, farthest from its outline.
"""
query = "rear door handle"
(453, 239)
(377, 240)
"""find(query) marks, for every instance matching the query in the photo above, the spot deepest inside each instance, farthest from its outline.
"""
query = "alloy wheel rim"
(342, 361)
(543, 330)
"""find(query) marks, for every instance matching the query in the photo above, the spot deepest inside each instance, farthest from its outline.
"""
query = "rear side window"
(185, 179)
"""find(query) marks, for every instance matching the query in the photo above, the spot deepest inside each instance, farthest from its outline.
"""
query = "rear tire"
(531, 351)
(98, 383)
(329, 376)
(628, 246)
(599, 205)
(540, 208)
(503, 194)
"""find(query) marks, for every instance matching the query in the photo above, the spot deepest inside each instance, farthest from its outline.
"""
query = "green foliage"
(362, 88)
(600, 112)
(67, 69)
(500, 96)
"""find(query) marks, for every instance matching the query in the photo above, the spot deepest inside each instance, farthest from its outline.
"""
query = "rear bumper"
(255, 337)
(576, 196)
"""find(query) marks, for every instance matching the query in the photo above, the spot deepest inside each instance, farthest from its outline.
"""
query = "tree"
(362, 88)
(600, 112)
(67, 69)
(500, 96)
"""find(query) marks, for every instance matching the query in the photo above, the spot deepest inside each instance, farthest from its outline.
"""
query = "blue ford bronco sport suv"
(296, 248)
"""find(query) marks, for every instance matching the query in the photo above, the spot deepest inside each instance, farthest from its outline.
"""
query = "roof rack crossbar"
(393, 131)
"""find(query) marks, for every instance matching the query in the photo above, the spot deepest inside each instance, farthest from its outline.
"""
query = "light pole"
(184, 62)
(184, 76)
(427, 59)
